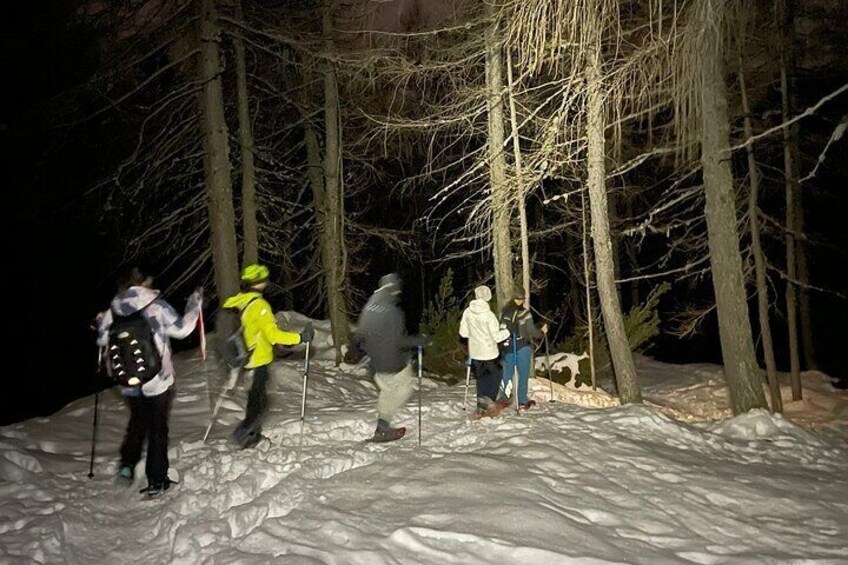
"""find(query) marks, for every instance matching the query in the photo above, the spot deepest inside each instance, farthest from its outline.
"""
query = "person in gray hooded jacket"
(381, 334)
(480, 325)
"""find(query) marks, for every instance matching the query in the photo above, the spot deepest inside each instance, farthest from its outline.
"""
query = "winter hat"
(483, 293)
(254, 274)
(134, 277)
(518, 292)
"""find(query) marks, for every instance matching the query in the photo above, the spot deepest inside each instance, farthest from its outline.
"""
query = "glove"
(308, 333)
(195, 299)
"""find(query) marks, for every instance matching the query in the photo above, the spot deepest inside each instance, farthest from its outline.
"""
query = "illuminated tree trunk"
(216, 161)
(519, 173)
(737, 344)
(500, 227)
(807, 341)
(759, 258)
(784, 20)
(622, 357)
(331, 222)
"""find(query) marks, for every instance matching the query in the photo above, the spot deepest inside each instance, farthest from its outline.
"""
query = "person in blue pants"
(519, 349)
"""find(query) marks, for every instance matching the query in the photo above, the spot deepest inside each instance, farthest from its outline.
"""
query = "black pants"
(488, 376)
(148, 420)
(257, 400)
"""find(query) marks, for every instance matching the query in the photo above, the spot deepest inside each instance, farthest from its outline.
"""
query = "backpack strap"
(249, 302)
(246, 306)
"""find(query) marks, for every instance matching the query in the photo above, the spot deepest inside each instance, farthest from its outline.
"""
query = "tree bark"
(519, 173)
(333, 250)
(587, 277)
(784, 20)
(500, 226)
(622, 356)
(737, 345)
(248, 170)
(216, 161)
(759, 258)
(632, 258)
(807, 341)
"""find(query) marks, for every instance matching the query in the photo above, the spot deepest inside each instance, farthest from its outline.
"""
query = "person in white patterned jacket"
(149, 403)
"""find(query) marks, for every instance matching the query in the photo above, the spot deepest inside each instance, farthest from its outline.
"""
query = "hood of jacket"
(479, 306)
(133, 299)
(240, 300)
(384, 297)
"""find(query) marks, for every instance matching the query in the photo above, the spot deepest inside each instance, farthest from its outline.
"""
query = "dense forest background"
(499, 143)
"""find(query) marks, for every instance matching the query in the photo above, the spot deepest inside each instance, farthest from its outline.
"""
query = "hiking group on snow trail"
(134, 340)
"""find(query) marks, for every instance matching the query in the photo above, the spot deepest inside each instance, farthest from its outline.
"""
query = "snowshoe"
(504, 403)
(391, 434)
(527, 405)
(492, 411)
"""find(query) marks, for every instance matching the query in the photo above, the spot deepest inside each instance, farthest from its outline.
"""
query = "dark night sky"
(60, 271)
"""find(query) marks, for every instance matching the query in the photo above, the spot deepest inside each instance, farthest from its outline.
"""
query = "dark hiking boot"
(155, 489)
(246, 437)
(252, 440)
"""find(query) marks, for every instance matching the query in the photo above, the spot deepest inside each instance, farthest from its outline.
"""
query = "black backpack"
(133, 356)
(235, 350)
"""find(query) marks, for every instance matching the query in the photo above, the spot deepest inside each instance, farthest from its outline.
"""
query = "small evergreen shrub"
(641, 325)
(444, 354)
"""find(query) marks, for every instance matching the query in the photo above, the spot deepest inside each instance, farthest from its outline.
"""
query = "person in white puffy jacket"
(482, 329)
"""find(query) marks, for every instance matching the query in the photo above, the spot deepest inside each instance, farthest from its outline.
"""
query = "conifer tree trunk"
(622, 357)
(785, 21)
(248, 170)
(631, 256)
(587, 278)
(807, 341)
(216, 161)
(519, 173)
(500, 228)
(574, 299)
(333, 251)
(612, 206)
(737, 345)
(759, 258)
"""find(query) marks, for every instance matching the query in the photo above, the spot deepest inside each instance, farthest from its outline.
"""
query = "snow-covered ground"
(580, 480)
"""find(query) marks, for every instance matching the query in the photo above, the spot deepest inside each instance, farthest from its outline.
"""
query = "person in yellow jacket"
(260, 334)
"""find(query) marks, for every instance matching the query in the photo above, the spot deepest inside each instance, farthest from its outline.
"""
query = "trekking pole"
(548, 365)
(467, 381)
(234, 375)
(515, 371)
(303, 397)
(94, 423)
(420, 377)
(202, 332)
